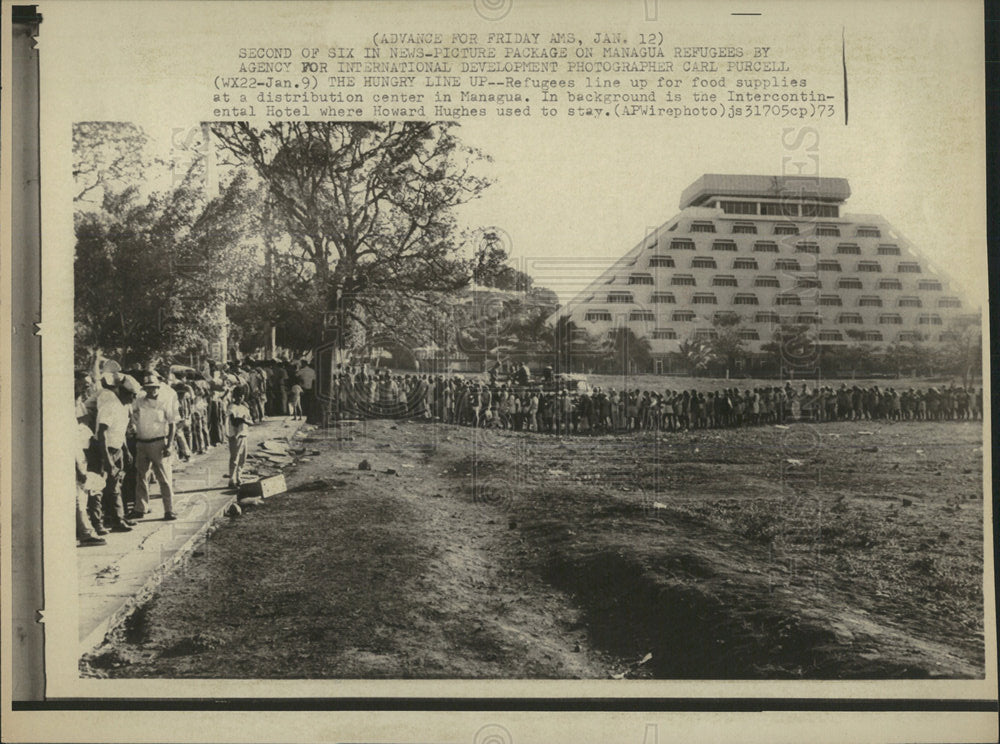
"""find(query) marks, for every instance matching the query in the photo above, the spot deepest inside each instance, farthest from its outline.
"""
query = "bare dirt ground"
(846, 550)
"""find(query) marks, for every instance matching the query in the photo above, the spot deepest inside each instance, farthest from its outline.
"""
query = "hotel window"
(820, 210)
(808, 319)
(767, 316)
(640, 278)
(912, 336)
(683, 315)
(745, 263)
(830, 300)
(745, 299)
(930, 285)
(890, 319)
(705, 334)
(662, 298)
(783, 209)
(702, 227)
(828, 266)
(929, 319)
(871, 336)
(888, 250)
(806, 246)
(831, 336)
(726, 316)
(787, 299)
(703, 298)
(909, 302)
(786, 228)
(664, 333)
(827, 230)
(849, 249)
(594, 316)
(703, 262)
(724, 280)
(850, 319)
(890, 284)
(949, 302)
(765, 246)
(766, 281)
(661, 262)
(744, 228)
(908, 267)
(723, 245)
(738, 207)
(682, 244)
(870, 301)
(682, 280)
(868, 231)
(620, 297)
(869, 266)
(850, 282)
(786, 264)
(810, 282)
(641, 315)
(748, 334)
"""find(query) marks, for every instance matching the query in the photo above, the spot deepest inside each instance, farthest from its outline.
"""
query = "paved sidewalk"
(115, 578)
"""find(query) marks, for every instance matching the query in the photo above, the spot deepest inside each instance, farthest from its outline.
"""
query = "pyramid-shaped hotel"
(770, 250)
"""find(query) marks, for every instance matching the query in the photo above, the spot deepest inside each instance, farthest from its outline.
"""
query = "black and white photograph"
(751, 447)
(512, 350)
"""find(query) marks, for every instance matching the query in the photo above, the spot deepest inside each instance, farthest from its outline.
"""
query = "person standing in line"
(294, 401)
(155, 417)
(238, 418)
(307, 379)
(110, 457)
(87, 482)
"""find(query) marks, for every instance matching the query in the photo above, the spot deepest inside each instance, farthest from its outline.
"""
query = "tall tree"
(369, 209)
(107, 155)
(152, 271)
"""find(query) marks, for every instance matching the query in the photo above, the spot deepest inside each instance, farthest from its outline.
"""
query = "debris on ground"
(274, 446)
(364, 465)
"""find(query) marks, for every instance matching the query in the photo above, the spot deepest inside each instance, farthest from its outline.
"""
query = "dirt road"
(508, 555)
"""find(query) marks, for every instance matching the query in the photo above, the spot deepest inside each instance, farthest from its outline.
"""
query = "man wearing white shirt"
(112, 456)
(307, 379)
(155, 415)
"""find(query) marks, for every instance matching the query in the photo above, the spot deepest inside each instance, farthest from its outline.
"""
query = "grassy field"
(843, 550)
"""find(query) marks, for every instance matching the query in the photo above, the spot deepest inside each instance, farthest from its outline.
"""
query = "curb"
(100, 634)
(179, 557)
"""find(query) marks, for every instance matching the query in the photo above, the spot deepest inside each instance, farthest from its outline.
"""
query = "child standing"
(295, 401)
(238, 419)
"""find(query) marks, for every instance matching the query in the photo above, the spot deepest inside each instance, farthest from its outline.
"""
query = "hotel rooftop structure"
(771, 250)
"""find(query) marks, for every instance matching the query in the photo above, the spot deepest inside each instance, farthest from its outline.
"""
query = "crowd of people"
(552, 407)
(131, 423)
(134, 423)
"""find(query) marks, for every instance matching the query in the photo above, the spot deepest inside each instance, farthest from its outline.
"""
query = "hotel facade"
(763, 251)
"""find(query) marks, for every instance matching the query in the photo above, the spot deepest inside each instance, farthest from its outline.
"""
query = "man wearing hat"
(155, 415)
(110, 457)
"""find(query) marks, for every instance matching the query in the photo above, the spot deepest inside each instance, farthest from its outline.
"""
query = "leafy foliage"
(368, 208)
(153, 272)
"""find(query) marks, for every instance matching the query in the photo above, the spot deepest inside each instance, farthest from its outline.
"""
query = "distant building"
(771, 250)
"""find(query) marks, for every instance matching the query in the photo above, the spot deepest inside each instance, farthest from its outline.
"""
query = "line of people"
(131, 424)
(535, 407)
